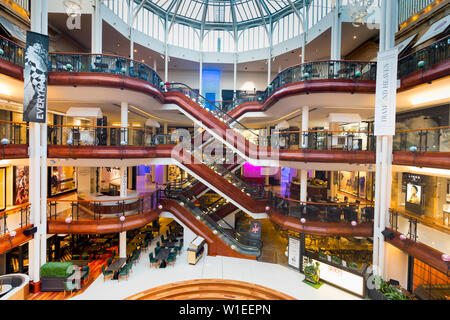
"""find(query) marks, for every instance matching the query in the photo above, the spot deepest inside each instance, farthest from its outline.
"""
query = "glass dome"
(225, 26)
(223, 14)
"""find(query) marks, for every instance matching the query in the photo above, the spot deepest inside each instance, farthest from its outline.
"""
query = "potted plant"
(383, 291)
(312, 272)
(336, 260)
(54, 274)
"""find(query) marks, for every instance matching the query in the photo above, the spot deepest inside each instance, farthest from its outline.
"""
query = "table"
(80, 263)
(116, 265)
(5, 288)
(163, 254)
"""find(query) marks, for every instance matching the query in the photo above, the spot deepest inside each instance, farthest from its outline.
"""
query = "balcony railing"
(86, 62)
(425, 58)
(105, 136)
(323, 211)
(13, 132)
(11, 51)
(321, 140)
(423, 140)
(14, 218)
(432, 232)
(74, 210)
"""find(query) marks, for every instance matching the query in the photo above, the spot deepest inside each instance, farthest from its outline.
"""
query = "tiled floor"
(270, 275)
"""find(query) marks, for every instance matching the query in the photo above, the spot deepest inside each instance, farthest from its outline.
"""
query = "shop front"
(61, 180)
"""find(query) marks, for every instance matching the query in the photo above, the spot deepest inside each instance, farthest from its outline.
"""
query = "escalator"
(237, 241)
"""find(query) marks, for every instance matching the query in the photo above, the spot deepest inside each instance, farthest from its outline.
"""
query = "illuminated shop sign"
(341, 278)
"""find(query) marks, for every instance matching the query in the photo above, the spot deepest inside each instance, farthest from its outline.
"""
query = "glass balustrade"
(423, 140)
(13, 132)
(322, 211)
(322, 140)
(15, 218)
(421, 60)
(106, 136)
(88, 209)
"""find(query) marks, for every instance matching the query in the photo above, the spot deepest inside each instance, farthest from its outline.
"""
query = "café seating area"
(166, 247)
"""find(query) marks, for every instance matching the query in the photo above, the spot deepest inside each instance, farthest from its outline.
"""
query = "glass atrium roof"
(223, 14)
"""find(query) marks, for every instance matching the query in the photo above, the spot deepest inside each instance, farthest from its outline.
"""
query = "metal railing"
(11, 51)
(323, 140)
(74, 210)
(237, 240)
(14, 218)
(105, 136)
(86, 62)
(14, 132)
(209, 106)
(425, 58)
(423, 140)
(322, 211)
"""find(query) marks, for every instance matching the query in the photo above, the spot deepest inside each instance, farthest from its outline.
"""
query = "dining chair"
(171, 260)
(124, 272)
(107, 274)
(69, 285)
(153, 261)
(86, 276)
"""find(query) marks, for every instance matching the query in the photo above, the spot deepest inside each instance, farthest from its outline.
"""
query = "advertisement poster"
(35, 78)
(294, 253)
(255, 229)
(22, 178)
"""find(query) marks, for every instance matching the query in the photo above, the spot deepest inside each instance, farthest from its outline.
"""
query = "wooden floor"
(210, 289)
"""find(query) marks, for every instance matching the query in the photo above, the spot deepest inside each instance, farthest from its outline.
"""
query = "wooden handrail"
(14, 209)
(424, 129)
(327, 204)
(431, 44)
(101, 127)
(19, 45)
(14, 122)
(320, 61)
(97, 201)
(319, 131)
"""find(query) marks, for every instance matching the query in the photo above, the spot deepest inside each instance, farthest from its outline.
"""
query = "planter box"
(376, 294)
(53, 283)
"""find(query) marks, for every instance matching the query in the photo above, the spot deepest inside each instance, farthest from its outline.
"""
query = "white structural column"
(200, 73)
(166, 50)
(336, 33)
(96, 31)
(383, 177)
(235, 75)
(123, 175)
(166, 167)
(304, 137)
(36, 253)
(124, 122)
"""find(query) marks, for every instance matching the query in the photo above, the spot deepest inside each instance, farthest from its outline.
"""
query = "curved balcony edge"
(319, 228)
(420, 251)
(7, 243)
(101, 226)
(440, 160)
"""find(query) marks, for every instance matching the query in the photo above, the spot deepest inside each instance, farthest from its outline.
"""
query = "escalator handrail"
(212, 103)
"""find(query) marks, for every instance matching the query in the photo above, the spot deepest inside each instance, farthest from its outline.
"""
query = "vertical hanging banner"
(386, 93)
(35, 78)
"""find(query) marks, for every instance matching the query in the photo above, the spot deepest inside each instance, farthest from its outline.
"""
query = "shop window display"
(359, 184)
(61, 180)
